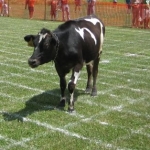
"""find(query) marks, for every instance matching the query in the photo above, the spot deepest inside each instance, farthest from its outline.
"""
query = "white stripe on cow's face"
(42, 36)
(81, 32)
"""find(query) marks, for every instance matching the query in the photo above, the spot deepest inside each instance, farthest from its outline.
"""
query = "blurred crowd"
(3, 8)
(140, 13)
(139, 9)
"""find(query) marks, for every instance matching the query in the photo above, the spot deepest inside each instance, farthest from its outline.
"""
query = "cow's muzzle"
(33, 62)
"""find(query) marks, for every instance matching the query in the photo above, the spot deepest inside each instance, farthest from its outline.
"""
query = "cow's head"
(44, 44)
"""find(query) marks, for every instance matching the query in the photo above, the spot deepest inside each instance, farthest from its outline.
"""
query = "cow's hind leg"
(71, 86)
(95, 73)
(89, 69)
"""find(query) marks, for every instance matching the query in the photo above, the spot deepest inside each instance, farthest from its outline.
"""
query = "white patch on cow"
(101, 37)
(64, 98)
(42, 36)
(89, 63)
(71, 100)
(95, 21)
(81, 32)
(76, 75)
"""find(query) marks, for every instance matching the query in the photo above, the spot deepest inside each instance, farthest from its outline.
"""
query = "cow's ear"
(29, 39)
(53, 40)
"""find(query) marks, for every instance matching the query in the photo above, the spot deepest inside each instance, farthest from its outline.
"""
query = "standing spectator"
(91, 7)
(146, 13)
(136, 7)
(53, 4)
(65, 8)
(128, 2)
(30, 4)
(77, 5)
(5, 9)
(1, 6)
(114, 3)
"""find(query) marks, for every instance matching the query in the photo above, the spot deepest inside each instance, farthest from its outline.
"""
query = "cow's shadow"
(46, 101)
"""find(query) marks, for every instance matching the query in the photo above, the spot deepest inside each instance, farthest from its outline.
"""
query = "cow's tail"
(102, 33)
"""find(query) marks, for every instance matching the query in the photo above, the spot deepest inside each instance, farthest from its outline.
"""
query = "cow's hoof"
(88, 90)
(70, 109)
(94, 93)
(62, 103)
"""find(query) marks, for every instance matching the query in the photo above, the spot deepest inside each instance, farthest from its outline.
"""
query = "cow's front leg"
(71, 86)
(62, 87)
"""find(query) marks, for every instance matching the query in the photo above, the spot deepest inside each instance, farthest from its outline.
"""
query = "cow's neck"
(56, 47)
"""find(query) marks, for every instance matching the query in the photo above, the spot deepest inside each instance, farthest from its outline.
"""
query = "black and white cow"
(73, 44)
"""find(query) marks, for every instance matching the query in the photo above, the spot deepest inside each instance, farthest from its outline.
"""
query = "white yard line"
(56, 129)
(23, 142)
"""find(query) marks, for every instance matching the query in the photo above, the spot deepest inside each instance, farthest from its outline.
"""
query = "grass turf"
(118, 118)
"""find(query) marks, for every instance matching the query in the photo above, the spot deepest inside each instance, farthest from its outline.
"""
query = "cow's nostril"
(32, 62)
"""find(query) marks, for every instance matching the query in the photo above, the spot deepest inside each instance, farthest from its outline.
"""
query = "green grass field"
(117, 119)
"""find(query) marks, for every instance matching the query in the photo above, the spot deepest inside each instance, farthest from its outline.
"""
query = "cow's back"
(83, 35)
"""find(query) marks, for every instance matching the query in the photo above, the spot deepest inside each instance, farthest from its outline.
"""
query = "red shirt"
(63, 2)
(30, 3)
(53, 4)
(78, 2)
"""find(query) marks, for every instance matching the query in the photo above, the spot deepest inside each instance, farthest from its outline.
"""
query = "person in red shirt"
(53, 4)
(30, 4)
(91, 7)
(77, 5)
(1, 6)
(65, 8)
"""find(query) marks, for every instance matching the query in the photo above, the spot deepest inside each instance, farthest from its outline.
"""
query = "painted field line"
(39, 90)
(100, 92)
(13, 59)
(132, 132)
(23, 61)
(42, 91)
(66, 132)
(29, 88)
(136, 114)
(22, 86)
(22, 142)
(109, 109)
(6, 95)
(108, 91)
(26, 76)
(138, 69)
(131, 101)
(60, 130)
(28, 69)
(124, 72)
(12, 53)
(13, 142)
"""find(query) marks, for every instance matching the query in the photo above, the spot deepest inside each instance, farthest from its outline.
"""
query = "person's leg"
(67, 12)
(63, 13)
